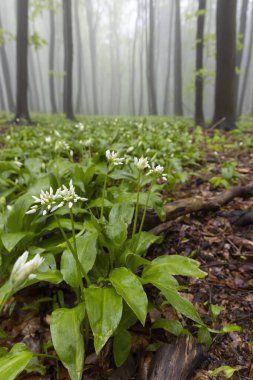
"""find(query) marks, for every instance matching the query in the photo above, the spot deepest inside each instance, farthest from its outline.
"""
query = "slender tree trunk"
(2, 101)
(68, 59)
(134, 59)
(79, 51)
(246, 72)
(22, 68)
(151, 61)
(7, 77)
(33, 93)
(167, 80)
(199, 80)
(239, 53)
(93, 51)
(51, 61)
(225, 63)
(178, 102)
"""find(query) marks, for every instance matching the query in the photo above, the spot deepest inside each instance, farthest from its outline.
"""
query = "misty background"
(110, 47)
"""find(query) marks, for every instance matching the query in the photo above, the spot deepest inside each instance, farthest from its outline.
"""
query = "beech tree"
(178, 101)
(199, 82)
(22, 67)
(151, 61)
(225, 64)
(68, 59)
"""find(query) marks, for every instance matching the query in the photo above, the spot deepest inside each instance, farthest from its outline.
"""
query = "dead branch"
(188, 205)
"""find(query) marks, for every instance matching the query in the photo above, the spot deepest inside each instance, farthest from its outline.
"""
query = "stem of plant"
(51, 357)
(137, 206)
(80, 269)
(103, 196)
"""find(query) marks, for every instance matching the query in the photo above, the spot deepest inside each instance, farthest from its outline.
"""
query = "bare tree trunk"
(167, 80)
(79, 51)
(2, 101)
(33, 88)
(239, 53)
(93, 51)
(22, 68)
(151, 61)
(225, 63)
(178, 102)
(6, 74)
(134, 59)
(51, 62)
(68, 59)
(246, 72)
(199, 80)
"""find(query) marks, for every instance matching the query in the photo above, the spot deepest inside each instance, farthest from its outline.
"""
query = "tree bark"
(178, 99)
(7, 77)
(246, 72)
(239, 53)
(68, 59)
(169, 54)
(22, 67)
(51, 62)
(93, 51)
(151, 80)
(225, 63)
(199, 80)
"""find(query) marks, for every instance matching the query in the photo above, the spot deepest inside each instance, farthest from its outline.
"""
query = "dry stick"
(188, 205)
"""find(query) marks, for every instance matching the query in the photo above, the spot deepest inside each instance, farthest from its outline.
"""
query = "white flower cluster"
(79, 126)
(113, 158)
(23, 269)
(156, 170)
(48, 201)
(141, 163)
(61, 145)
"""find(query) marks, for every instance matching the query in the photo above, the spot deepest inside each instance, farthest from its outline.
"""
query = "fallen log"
(177, 361)
(194, 204)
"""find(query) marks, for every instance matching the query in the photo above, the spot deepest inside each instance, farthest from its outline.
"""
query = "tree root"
(186, 206)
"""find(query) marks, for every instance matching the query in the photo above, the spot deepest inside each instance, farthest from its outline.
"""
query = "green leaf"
(10, 240)
(182, 305)
(13, 363)
(231, 328)
(215, 311)
(158, 276)
(117, 232)
(122, 343)
(229, 371)
(141, 242)
(16, 218)
(204, 336)
(67, 338)
(104, 309)
(172, 326)
(68, 269)
(121, 211)
(129, 287)
(179, 265)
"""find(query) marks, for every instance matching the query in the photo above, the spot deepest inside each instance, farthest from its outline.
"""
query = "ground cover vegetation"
(87, 283)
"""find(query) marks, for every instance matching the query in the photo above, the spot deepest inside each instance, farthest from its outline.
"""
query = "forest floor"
(225, 251)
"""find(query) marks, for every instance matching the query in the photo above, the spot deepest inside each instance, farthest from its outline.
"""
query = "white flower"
(61, 145)
(158, 171)
(23, 269)
(88, 143)
(113, 158)
(48, 201)
(48, 139)
(18, 163)
(80, 126)
(141, 163)
(69, 195)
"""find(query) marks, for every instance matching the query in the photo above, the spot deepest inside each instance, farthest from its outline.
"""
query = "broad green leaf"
(184, 306)
(231, 328)
(104, 309)
(128, 318)
(16, 217)
(129, 287)
(122, 342)
(67, 338)
(68, 269)
(229, 371)
(179, 265)
(117, 232)
(10, 240)
(172, 326)
(13, 363)
(204, 336)
(141, 242)
(87, 252)
(215, 311)
(158, 276)
(121, 211)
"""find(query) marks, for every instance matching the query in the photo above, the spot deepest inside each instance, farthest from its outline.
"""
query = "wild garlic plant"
(103, 264)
